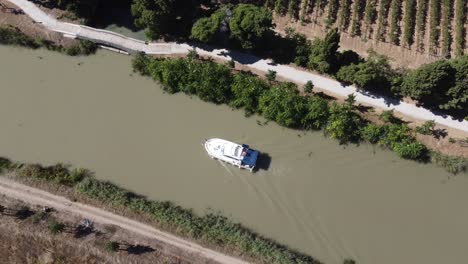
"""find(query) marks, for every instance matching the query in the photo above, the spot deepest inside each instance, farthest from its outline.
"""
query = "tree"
(323, 55)
(250, 24)
(374, 74)
(269, 4)
(160, 17)
(344, 123)
(205, 29)
(271, 76)
(457, 95)
(317, 113)
(214, 83)
(283, 104)
(308, 87)
(429, 83)
(301, 48)
(81, 8)
(247, 89)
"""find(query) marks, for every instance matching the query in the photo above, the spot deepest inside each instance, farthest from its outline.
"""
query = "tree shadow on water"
(263, 161)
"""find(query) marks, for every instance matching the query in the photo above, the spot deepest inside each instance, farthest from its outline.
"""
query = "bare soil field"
(27, 239)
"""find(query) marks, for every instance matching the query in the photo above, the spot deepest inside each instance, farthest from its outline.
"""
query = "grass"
(14, 36)
(452, 164)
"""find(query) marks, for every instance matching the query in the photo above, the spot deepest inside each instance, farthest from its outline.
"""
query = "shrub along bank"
(14, 36)
(212, 229)
(280, 102)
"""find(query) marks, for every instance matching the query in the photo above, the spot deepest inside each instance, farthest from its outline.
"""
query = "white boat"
(238, 155)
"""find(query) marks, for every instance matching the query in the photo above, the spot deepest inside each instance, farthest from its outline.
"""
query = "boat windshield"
(237, 151)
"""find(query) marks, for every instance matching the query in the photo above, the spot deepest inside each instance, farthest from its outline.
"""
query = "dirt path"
(35, 196)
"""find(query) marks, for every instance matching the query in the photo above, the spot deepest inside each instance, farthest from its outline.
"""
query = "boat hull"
(220, 149)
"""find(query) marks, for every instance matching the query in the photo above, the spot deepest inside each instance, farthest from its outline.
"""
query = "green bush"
(375, 74)
(247, 90)
(5, 164)
(112, 246)
(433, 25)
(14, 36)
(408, 32)
(426, 128)
(317, 113)
(357, 17)
(384, 6)
(395, 133)
(206, 28)
(410, 150)
(460, 27)
(429, 82)
(394, 21)
(344, 14)
(452, 164)
(369, 17)
(85, 47)
(373, 133)
(283, 104)
(389, 117)
(140, 63)
(250, 25)
(323, 53)
(308, 87)
(421, 15)
(56, 227)
(56, 173)
(271, 76)
(344, 123)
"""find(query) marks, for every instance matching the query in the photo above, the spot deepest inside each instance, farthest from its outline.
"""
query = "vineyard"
(432, 27)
